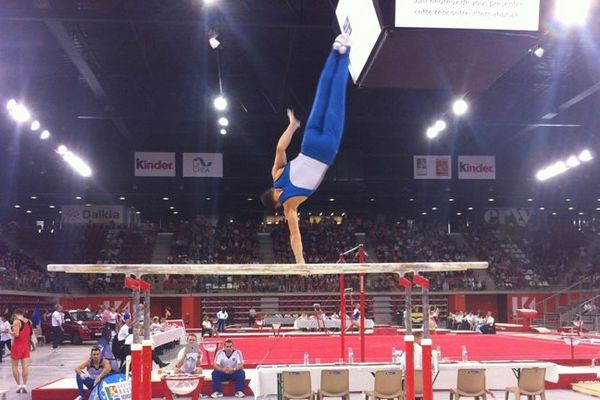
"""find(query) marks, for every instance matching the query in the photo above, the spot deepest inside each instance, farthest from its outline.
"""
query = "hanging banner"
(508, 216)
(94, 214)
(203, 165)
(432, 167)
(154, 164)
(514, 15)
(476, 167)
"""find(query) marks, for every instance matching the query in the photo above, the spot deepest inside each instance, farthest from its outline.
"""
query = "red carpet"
(284, 350)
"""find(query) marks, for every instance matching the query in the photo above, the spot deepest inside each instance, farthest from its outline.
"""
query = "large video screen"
(514, 15)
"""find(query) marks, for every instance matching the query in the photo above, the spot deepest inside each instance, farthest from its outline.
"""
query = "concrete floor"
(47, 366)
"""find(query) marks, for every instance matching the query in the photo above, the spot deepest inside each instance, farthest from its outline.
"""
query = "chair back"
(471, 381)
(335, 382)
(418, 383)
(532, 380)
(296, 384)
(388, 383)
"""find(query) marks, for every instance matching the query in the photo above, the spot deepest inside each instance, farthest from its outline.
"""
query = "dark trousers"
(219, 377)
(2, 344)
(88, 382)
(56, 336)
(221, 325)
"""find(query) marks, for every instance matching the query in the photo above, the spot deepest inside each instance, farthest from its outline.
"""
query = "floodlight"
(539, 52)
(62, 150)
(585, 156)
(572, 13)
(35, 125)
(45, 134)
(20, 113)
(11, 104)
(214, 42)
(460, 107)
(223, 121)
(432, 133)
(223, 131)
(220, 103)
(440, 125)
(573, 162)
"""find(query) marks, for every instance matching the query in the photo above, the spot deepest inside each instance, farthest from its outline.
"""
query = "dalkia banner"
(154, 164)
(94, 214)
(203, 165)
(476, 167)
(432, 167)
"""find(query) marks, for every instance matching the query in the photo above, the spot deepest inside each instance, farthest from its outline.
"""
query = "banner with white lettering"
(476, 167)
(94, 214)
(203, 165)
(432, 167)
(508, 216)
(516, 15)
(154, 164)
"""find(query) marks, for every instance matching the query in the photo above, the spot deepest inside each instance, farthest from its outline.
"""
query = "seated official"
(228, 366)
(91, 371)
(189, 358)
(208, 329)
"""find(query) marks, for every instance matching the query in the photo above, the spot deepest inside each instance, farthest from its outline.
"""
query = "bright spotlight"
(11, 104)
(432, 133)
(45, 134)
(35, 125)
(572, 13)
(539, 52)
(440, 125)
(585, 156)
(542, 175)
(77, 164)
(214, 42)
(62, 150)
(223, 121)
(223, 131)
(20, 113)
(573, 162)
(460, 107)
(220, 103)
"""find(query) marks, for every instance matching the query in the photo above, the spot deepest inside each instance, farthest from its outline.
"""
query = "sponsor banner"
(359, 20)
(154, 164)
(508, 216)
(94, 214)
(515, 15)
(203, 165)
(432, 167)
(476, 167)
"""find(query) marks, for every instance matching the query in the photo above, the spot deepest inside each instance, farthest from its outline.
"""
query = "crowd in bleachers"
(537, 256)
(20, 272)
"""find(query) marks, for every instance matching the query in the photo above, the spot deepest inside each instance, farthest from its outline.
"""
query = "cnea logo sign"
(199, 165)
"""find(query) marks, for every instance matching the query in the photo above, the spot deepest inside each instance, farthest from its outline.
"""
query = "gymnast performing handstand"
(297, 180)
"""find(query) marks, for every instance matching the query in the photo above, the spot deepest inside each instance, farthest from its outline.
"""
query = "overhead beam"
(63, 38)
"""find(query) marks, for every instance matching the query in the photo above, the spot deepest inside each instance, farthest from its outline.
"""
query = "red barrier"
(146, 369)
(136, 372)
(427, 378)
(409, 343)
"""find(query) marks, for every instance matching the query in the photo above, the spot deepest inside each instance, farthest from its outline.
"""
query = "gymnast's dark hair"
(268, 199)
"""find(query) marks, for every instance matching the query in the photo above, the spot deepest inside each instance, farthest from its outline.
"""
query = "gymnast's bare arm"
(283, 143)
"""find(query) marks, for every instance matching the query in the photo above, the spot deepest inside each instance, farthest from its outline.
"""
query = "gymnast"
(296, 181)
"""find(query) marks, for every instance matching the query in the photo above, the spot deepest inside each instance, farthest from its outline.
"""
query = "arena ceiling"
(112, 77)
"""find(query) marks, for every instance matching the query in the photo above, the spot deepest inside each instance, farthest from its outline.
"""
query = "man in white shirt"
(228, 366)
(221, 318)
(189, 358)
(119, 340)
(58, 318)
(4, 335)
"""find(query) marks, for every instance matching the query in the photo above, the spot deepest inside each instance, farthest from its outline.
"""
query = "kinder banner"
(154, 164)
(432, 167)
(203, 165)
(476, 167)
(94, 214)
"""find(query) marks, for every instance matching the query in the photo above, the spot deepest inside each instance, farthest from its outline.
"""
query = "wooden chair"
(388, 385)
(296, 385)
(334, 383)
(469, 383)
(531, 383)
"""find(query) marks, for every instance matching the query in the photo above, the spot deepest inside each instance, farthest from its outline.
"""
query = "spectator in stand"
(168, 313)
(251, 316)
(91, 371)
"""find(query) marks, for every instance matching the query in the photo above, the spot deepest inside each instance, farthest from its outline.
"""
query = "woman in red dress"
(21, 332)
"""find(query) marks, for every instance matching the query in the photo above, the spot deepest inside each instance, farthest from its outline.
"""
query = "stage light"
(585, 156)
(121, 198)
(209, 2)
(460, 107)
(423, 213)
(77, 164)
(542, 208)
(33, 197)
(45, 134)
(432, 133)
(450, 200)
(459, 214)
(572, 13)
(470, 208)
(35, 125)
(573, 162)
(62, 149)
(440, 125)
(220, 103)
(332, 199)
(20, 113)
(51, 206)
(165, 198)
(213, 41)
(17, 206)
(539, 52)
(490, 199)
(530, 200)
(223, 121)
(77, 197)
(433, 208)
(223, 131)
(171, 208)
(175, 212)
